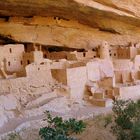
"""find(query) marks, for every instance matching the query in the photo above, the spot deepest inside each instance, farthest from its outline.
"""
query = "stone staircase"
(99, 98)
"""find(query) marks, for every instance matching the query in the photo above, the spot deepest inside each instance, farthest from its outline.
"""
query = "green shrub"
(126, 120)
(59, 129)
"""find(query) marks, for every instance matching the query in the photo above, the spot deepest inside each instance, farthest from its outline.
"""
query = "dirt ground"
(95, 130)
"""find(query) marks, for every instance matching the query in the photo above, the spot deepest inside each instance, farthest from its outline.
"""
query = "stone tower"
(104, 50)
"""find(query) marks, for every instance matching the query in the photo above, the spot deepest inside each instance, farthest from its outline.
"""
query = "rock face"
(8, 104)
(115, 21)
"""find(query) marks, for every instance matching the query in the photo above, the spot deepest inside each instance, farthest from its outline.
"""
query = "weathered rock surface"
(8, 104)
(115, 21)
(45, 98)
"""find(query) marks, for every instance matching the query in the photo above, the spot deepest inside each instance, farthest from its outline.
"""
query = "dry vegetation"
(95, 130)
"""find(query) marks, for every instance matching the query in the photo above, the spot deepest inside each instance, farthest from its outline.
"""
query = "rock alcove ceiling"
(70, 23)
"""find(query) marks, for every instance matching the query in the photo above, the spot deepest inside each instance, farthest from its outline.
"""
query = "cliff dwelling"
(72, 58)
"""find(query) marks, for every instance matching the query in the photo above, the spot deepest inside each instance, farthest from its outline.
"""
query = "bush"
(59, 129)
(126, 120)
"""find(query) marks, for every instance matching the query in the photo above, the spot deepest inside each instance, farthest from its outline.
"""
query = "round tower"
(104, 50)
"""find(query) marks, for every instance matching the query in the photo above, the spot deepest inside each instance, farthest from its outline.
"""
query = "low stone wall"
(23, 84)
(12, 85)
(130, 92)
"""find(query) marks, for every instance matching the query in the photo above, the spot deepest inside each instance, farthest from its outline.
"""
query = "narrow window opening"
(28, 61)
(84, 54)
(9, 63)
(10, 50)
(45, 56)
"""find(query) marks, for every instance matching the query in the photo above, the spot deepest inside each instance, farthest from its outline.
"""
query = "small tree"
(126, 120)
(59, 129)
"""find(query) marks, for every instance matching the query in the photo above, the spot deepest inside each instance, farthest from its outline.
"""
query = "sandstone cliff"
(84, 23)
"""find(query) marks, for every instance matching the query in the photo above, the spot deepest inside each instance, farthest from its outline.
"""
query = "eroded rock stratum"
(74, 23)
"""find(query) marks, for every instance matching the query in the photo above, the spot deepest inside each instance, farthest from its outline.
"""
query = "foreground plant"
(12, 136)
(126, 120)
(59, 129)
